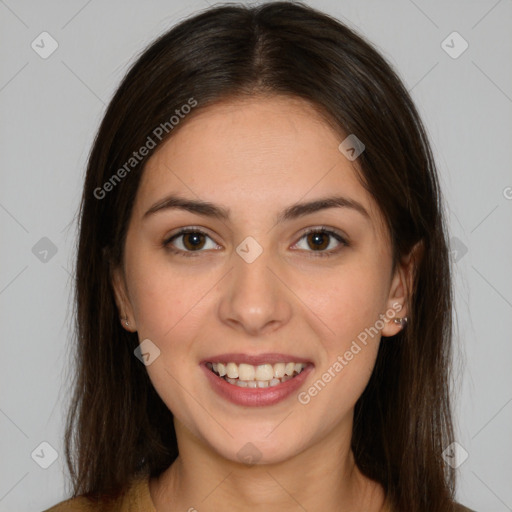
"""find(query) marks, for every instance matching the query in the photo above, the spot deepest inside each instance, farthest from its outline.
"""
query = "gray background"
(50, 109)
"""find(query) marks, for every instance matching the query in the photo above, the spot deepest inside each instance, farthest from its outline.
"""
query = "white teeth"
(264, 372)
(246, 372)
(279, 370)
(289, 369)
(221, 369)
(232, 370)
(261, 376)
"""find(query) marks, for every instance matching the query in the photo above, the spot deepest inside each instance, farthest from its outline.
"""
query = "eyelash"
(316, 254)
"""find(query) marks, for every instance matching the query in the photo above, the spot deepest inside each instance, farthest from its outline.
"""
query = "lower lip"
(256, 397)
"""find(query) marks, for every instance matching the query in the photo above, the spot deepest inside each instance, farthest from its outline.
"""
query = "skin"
(256, 157)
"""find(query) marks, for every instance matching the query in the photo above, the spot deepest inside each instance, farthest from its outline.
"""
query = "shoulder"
(461, 508)
(457, 507)
(78, 504)
(136, 497)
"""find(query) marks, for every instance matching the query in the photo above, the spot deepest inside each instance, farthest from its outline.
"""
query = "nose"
(255, 300)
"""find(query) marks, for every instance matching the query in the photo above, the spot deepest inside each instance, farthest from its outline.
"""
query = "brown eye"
(319, 239)
(188, 241)
(193, 240)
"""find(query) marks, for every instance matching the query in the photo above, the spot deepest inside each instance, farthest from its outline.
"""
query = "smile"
(256, 376)
(261, 380)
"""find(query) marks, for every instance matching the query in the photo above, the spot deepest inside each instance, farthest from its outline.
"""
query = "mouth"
(256, 376)
(256, 380)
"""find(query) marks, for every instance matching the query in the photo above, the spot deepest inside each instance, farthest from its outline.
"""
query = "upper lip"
(255, 359)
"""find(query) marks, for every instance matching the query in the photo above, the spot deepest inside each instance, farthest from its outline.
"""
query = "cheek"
(167, 310)
(154, 307)
(350, 304)
(163, 301)
(351, 301)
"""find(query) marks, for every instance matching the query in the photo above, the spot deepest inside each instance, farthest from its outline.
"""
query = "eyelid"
(340, 237)
(184, 230)
(326, 229)
(166, 244)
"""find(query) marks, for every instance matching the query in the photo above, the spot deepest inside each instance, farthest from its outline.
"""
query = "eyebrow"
(294, 211)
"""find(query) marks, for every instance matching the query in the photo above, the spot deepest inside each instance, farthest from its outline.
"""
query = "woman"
(263, 286)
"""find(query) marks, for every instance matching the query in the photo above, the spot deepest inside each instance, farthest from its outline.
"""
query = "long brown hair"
(118, 427)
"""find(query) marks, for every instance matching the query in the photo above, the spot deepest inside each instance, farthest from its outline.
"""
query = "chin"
(259, 444)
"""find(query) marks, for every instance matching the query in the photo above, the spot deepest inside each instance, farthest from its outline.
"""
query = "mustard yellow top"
(138, 499)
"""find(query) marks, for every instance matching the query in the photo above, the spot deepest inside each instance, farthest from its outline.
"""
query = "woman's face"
(254, 289)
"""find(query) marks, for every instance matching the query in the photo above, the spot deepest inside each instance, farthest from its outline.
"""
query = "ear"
(401, 289)
(122, 301)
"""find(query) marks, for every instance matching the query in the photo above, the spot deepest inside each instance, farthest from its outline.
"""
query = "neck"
(322, 477)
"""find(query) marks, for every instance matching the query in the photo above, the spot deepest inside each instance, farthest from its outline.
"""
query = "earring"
(401, 321)
(125, 320)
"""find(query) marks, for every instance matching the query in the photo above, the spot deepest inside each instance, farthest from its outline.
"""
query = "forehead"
(254, 155)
